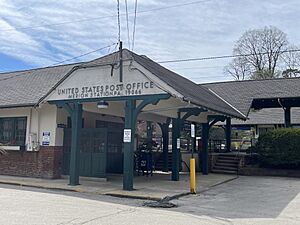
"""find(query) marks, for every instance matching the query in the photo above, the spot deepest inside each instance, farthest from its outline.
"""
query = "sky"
(43, 33)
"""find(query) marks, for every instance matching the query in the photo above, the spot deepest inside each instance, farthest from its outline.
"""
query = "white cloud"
(198, 30)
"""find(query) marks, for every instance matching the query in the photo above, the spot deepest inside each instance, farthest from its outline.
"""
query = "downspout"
(29, 127)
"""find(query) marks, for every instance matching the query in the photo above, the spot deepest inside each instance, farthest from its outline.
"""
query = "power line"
(102, 17)
(76, 57)
(223, 56)
(196, 67)
(127, 21)
(134, 24)
(85, 54)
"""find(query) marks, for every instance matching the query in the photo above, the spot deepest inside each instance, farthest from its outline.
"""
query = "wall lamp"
(102, 105)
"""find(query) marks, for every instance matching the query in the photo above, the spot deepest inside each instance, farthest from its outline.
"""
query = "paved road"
(247, 200)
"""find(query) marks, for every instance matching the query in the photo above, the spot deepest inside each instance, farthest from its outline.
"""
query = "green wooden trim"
(205, 136)
(228, 134)
(157, 97)
(165, 134)
(175, 150)
(287, 117)
(129, 146)
(131, 113)
(76, 118)
(215, 120)
(149, 134)
(192, 112)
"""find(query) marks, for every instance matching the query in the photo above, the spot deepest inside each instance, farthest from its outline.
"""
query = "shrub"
(279, 148)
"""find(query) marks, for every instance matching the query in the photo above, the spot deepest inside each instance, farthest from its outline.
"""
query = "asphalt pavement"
(246, 200)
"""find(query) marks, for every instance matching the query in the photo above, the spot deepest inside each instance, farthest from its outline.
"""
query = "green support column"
(175, 150)
(228, 134)
(205, 136)
(287, 117)
(165, 134)
(130, 123)
(131, 113)
(76, 119)
(149, 134)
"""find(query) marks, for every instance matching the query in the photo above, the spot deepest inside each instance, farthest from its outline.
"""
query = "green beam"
(175, 149)
(130, 123)
(228, 134)
(131, 113)
(165, 135)
(287, 117)
(149, 134)
(76, 118)
(205, 136)
(114, 98)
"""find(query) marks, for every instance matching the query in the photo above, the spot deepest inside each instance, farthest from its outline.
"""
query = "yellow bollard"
(193, 175)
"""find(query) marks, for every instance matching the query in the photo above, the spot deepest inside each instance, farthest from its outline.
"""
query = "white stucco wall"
(38, 120)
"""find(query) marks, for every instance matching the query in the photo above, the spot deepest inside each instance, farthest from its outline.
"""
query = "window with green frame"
(13, 130)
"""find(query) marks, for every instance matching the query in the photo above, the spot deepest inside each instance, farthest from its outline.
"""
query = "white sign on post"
(127, 136)
(178, 143)
(192, 130)
(46, 138)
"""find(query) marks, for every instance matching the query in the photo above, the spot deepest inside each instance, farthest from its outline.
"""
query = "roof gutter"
(244, 116)
(17, 106)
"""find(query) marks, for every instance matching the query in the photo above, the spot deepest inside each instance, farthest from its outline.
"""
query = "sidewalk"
(157, 187)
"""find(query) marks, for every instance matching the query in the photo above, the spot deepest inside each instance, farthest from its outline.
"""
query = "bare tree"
(238, 68)
(291, 59)
(259, 52)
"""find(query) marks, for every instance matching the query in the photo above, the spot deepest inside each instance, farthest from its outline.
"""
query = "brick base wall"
(46, 163)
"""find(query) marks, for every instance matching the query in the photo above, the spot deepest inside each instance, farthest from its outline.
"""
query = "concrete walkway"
(157, 187)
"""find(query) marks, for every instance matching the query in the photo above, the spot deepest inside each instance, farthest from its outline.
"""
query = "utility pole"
(121, 60)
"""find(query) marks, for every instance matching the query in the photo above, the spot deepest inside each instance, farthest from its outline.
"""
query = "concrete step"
(227, 155)
(225, 168)
(229, 158)
(223, 171)
(235, 164)
(226, 165)
(229, 161)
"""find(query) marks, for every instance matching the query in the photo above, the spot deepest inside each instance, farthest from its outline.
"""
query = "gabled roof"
(26, 88)
(269, 116)
(240, 94)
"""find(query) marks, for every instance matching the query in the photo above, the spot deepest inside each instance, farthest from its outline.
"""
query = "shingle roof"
(191, 91)
(26, 88)
(29, 87)
(268, 117)
(241, 93)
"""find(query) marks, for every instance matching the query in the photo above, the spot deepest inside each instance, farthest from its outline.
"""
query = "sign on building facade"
(99, 83)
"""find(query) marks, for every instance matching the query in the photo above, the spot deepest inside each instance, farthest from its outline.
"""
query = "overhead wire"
(224, 56)
(102, 17)
(127, 22)
(70, 59)
(134, 24)
(82, 55)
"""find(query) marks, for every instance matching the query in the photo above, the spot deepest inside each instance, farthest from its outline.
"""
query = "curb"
(36, 186)
(118, 195)
(133, 196)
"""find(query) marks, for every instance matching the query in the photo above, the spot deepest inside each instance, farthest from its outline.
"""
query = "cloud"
(198, 30)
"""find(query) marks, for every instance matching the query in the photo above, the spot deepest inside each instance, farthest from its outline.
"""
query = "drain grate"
(160, 204)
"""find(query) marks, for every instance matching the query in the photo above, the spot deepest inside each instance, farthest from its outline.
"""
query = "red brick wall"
(46, 163)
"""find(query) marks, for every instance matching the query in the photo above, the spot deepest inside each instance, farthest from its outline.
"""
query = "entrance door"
(93, 152)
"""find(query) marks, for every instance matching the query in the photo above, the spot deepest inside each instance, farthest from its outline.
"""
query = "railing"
(216, 145)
